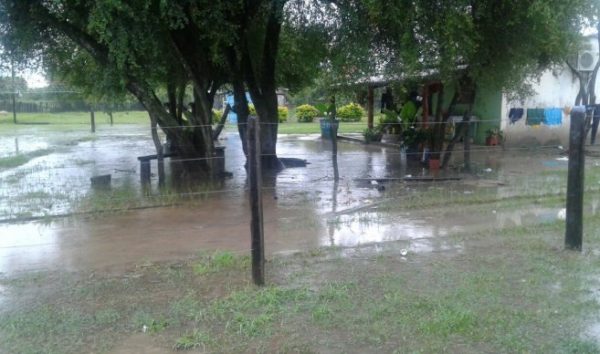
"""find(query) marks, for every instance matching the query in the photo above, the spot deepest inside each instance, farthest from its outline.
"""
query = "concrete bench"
(219, 165)
(145, 166)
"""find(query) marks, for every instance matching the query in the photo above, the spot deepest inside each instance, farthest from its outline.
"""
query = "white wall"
(556, 89)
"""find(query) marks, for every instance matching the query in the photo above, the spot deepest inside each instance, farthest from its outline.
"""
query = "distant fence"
(64, 106)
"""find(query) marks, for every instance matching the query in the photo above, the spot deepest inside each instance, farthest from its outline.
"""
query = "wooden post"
(574, 229)
(370, 107)
(92, 120)
(14, 92)
(255, 181)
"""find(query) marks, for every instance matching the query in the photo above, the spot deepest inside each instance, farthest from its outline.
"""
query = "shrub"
(217, 114)
(373, 134)
(351, 112)
(283, 113)
(306, 113)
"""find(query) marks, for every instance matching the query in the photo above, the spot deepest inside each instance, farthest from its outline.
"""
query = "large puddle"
(303, 207)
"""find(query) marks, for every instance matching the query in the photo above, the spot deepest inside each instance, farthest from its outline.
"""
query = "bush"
(373, 134)
(282, 113)
(217, 114)
(306, 113)
(351, 112)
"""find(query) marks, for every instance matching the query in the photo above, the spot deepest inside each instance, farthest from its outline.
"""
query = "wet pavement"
(303, 207)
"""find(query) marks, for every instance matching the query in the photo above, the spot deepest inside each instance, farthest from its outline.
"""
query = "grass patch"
(73, 118)
(220, 261)
(21, 159)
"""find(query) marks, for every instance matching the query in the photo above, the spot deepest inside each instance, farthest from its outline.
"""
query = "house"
(556, 89)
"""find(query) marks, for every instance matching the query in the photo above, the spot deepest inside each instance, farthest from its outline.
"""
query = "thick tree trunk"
(266, 107)
(260, 79)
(188, 142)
(241, 110)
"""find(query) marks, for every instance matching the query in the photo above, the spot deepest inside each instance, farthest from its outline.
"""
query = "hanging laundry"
(535, 116)
(515, 114)
(552, 116)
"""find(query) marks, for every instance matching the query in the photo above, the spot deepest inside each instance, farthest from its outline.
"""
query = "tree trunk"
(240, 107)
(437, 140)
(260, 78)
(159, 150)
(266, 107)
(188, 142)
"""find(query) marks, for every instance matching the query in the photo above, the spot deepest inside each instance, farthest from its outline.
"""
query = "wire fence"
(378, 197)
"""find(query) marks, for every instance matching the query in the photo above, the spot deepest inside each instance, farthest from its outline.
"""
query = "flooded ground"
(380, 261)
(304, 208)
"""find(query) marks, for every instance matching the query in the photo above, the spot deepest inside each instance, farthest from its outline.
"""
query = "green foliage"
(373, 134)
(306, 113)
(192, 340)
(282, 112)
(390, 122)
(322, 107)
(218, 261)
(412, 137)
(216, 115)
(351, 112)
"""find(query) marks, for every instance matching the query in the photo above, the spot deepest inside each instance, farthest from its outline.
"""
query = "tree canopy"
(142, 46)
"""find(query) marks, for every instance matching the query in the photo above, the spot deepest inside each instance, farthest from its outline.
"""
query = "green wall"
(487, 108)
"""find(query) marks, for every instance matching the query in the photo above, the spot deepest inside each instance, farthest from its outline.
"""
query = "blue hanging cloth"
(552, 116)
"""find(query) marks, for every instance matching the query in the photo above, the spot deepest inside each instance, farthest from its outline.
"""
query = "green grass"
(512, 290)
(314, 128)
(68, 120)
(21, 159)
(79, 120)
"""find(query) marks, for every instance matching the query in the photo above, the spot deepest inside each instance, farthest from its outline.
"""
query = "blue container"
(326, 127)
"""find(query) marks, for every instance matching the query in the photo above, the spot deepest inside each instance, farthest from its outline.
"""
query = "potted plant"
(431, 154)
(391, 126)
(373, 135)
(330, 124)
(494, 137)
(412, 141)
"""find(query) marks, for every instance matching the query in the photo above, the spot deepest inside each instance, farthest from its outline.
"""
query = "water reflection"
(303, 207)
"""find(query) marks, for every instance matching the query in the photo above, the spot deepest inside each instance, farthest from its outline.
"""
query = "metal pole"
(255, 181)
(575, 182)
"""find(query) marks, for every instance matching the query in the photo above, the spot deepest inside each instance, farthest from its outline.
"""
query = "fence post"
(255, 181)
(93, 120)
(574, 217)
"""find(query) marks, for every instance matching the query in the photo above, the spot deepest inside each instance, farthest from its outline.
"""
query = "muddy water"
(304, 209)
